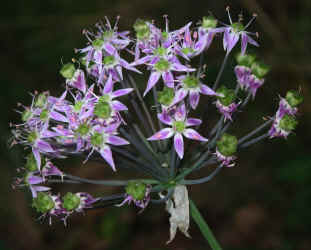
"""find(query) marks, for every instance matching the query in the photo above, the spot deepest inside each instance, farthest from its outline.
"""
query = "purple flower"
(99, 140)
(164, 68)
(32, 181)
(192, 85)
(207, 32)
(227, 110)
(233, 33)
(179, 129)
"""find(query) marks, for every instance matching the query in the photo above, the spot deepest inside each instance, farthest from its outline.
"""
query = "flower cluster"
(284, 121)
(88, 119)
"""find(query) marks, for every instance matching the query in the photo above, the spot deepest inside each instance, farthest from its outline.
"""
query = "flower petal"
(194, 98)
(193, 122)
(162, 134)
(107, 155)
(116, 140)
(180, 114)
(118, 106)
(153, 79)
(108, 85)
(168, 79)
(180, 95)
(121, 92)
(193, 135)
(205, 90)
(179, 145)
(165, 118)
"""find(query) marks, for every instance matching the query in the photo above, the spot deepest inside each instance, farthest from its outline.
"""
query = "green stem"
(204, 228)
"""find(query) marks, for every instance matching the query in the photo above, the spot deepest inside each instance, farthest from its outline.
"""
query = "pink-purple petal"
(193, 135)
(162, 134)
(121, 92)
(153, 79)
(165, 118)
(107, 155)
(194, 97)
(193, 122)
(118, 106)
(168, 79)
(179, 145)
(108, 85)
(116, 140)
(205, 90)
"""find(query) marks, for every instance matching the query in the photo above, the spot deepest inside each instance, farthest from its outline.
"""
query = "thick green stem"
(204, 228)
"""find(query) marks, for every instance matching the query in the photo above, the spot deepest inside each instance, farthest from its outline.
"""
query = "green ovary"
(44, 115)
(43, 203)
(237, 27)
(228, 96)
(166, 96)
(83, 129)
(227, 145)
(294, 98)
(209, 22)
(191, 82)
(109, 60)
(136, 189)
(179, 126)
(288, 123)
(32, 137)
(68, 70)
(102, 109)
(162, 65)
(71, 201)
(97, 139)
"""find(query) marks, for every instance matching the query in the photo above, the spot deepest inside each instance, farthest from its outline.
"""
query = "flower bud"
(227, 145)
(136, 189)
(294, 98)
(71, 201)
(288, 123)
(68, 70)
(166, 96)
(43, 203)
(228, 96)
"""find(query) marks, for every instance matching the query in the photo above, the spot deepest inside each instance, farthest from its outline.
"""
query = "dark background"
(262, 203)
